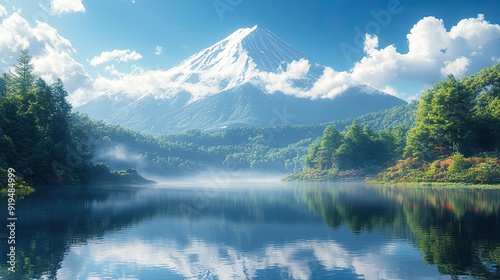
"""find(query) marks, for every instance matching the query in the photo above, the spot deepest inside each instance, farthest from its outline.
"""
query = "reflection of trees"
(457, 230)
(360, 207)
(50, 222)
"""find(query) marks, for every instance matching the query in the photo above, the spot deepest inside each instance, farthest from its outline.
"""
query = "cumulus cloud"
(292, 81)
(115, 55)
(282, 81)
(457, 67)
(59, 7)
(52, 53)
(133, 84)
(433, 53)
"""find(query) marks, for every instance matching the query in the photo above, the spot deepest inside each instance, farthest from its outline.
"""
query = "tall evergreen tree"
(485, 122)
(330, 141)
(353, 152)
(23, 79)
(442, 121)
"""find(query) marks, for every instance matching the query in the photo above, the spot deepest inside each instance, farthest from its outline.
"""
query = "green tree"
(3, 84)
(485, 122)
(443, 121)
(353, 152)
(312, 154)
(331, 140)
(22, 81)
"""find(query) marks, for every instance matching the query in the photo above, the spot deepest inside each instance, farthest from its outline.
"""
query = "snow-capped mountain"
(251, 77)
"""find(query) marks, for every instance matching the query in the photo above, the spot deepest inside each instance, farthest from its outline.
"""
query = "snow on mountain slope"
(241, 80)
(247, 55)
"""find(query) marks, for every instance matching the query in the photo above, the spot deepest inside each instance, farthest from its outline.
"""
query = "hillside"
(39, 142)
(455, 139)
(272, 148)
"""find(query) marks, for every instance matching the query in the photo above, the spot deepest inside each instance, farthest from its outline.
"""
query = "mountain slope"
(250, 78)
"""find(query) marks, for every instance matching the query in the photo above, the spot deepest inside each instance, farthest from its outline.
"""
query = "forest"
(40, 139)
(456, 138)
(273, 149)
(452, 134)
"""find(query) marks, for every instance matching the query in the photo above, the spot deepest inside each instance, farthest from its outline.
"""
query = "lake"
(230, 229)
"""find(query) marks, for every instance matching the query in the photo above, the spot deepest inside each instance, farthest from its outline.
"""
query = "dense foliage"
(354, 154)
(64, 147)
(38, 138)
(276, 149)
(458, 116)
(457, 134)
(456, 138)
(455, 169)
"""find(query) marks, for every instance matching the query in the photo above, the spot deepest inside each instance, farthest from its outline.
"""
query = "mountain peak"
(244, 79)
(237, 59)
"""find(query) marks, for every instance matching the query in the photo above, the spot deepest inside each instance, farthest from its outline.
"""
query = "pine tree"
(23, 79)
(443, 121)
(330, 141)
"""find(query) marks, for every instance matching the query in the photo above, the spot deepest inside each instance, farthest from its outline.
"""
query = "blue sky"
(155, 35)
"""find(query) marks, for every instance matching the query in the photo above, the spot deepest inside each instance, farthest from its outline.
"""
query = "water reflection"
(293, 231)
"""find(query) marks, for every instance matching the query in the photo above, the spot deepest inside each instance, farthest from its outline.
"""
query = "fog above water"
(219, 179)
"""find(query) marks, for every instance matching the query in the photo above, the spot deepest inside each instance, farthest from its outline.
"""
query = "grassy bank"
(455, 169)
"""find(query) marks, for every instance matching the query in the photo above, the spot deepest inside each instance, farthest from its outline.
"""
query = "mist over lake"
(258, 230)
(232, 139)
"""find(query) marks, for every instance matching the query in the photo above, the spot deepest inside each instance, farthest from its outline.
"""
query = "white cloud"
(330, 83)
(158, 50)
(457, 67)
(282, 81)
(428, 38)
(390, 90)
(433, 53)
(51, 53)
(113, 71)
(53, 63)
(115, 55)
(59, 7)
(197, 258)
(3, 11)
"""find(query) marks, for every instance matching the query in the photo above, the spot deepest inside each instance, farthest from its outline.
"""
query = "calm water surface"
(244, 230)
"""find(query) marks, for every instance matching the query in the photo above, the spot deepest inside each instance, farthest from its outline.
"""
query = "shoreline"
(373, 180)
